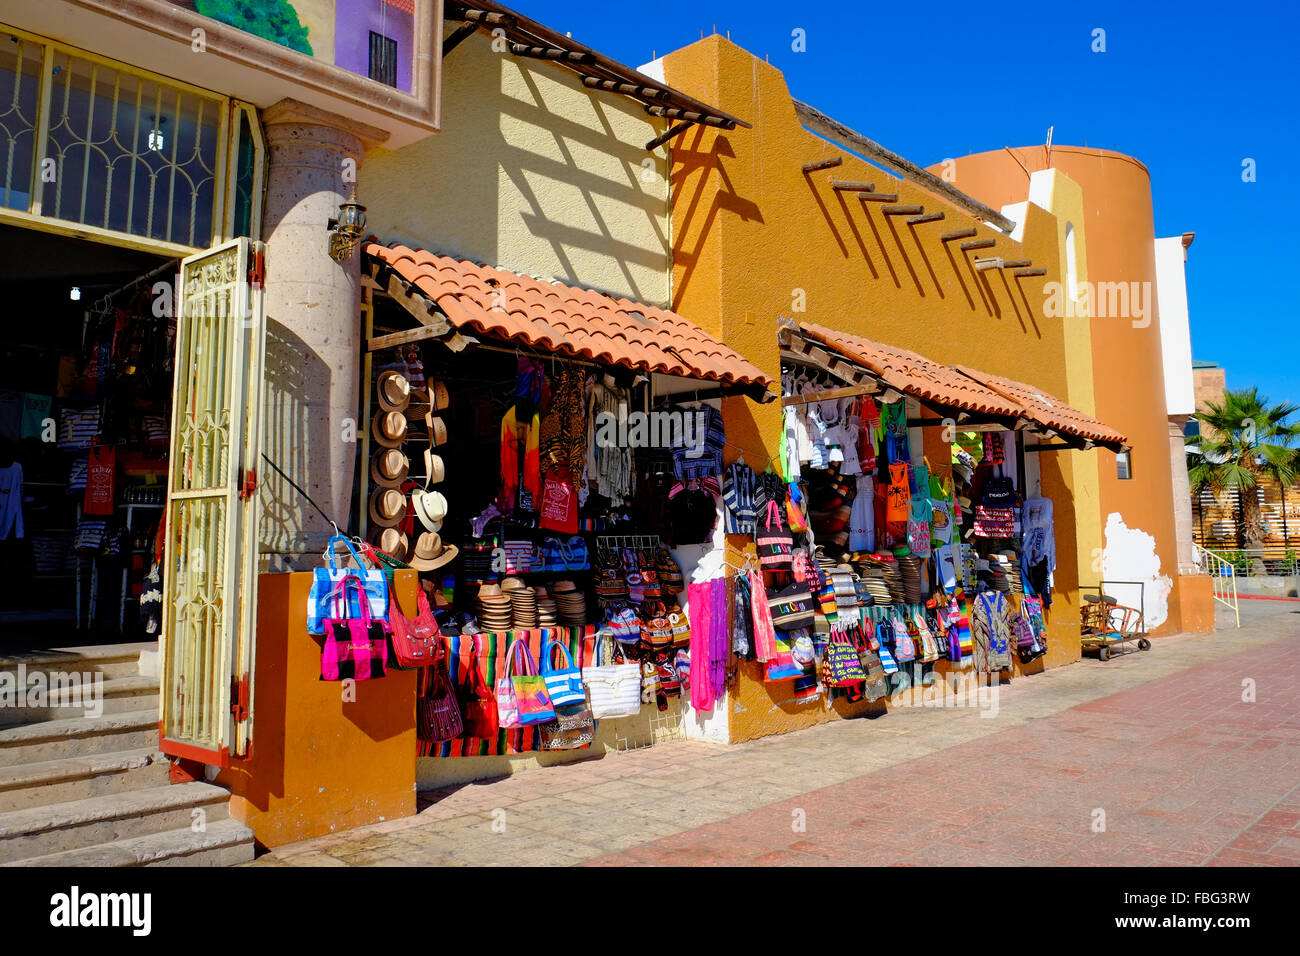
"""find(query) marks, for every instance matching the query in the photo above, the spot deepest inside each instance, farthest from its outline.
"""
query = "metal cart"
(1106, 625)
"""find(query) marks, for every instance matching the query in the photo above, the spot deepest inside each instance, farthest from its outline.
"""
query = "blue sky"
(1192, 89)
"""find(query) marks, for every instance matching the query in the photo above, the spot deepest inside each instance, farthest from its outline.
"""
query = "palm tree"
(1243, 441)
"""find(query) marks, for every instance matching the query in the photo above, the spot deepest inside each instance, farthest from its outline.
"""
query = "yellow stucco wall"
(531, 172)
(755, 237)
(318, 17)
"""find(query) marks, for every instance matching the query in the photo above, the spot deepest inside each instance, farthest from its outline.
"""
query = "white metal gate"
(210, 581)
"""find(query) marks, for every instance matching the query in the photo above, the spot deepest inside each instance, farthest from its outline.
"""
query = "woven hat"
(388, 428)
(394, 542)
(389, 467)
(434, 469)
(430, 552)
(434, 427)
(430, 507)
(435, 396)
(387, 507)
(393, 391)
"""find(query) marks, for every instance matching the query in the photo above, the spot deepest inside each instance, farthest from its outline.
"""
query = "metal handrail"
(1223, 578)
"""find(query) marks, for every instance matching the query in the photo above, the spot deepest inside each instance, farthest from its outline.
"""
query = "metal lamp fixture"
(347, 229)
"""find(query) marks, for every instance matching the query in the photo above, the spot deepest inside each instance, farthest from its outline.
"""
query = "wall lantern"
(347, 229)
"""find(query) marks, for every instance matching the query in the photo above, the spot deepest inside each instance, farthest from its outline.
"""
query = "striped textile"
(740, 495)
(709, 461)
(492, 661)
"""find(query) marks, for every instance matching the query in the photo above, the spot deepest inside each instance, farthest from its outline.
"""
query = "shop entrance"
(85, 419)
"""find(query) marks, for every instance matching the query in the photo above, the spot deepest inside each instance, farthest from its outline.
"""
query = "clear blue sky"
(1191, 89)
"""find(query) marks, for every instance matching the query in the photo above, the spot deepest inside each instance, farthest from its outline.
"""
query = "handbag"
(614, 688)
(478, 706)
(841, 665)
(414, 642)
(656, 628)
(572, 729)
(791, 606)
(321, 599)
(507, 701)
(532, 704)
(773, 541)
(564, 683)
(437, 714)
(355, 648)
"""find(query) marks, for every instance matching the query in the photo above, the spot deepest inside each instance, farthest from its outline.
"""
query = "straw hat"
(389, 467)
(394, 542)
(434, 427)
(387, 507)
(431, 553)
(393, 390)
(434, 469)
(435, 397)
(430, 507)
(388, 428)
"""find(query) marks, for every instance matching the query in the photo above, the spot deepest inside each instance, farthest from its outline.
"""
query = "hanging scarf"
(764, 630)
(718, 632)
(523, 493)
(700, 601)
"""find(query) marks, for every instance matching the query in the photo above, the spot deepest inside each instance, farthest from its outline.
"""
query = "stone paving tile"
(1186, 772)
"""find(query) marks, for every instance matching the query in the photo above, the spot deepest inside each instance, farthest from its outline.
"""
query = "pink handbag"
(354, 649)
(416, 640)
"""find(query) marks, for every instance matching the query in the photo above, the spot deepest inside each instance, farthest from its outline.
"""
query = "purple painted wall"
(353, 21)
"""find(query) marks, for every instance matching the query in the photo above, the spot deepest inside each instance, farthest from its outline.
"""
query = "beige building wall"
(531, 172)
(318, 17)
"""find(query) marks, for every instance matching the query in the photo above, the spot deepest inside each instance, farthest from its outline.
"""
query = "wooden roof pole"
(823, 125)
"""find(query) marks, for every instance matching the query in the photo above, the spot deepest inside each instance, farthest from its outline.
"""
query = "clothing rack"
(102, 304)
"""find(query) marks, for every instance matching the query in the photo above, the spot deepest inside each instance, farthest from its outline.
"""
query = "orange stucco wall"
(755, 237)
(1128, 372)
(320, 763)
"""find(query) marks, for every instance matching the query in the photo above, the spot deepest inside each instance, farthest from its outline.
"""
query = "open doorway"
(85, 420)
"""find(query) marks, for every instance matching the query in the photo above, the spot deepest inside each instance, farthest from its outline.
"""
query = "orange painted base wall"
(320, 764)
(1196, 602)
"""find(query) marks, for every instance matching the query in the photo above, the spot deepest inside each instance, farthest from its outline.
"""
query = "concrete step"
(111, 660)
(80, 778)
(224, 843)
(107, 695)
(77, 824)
(78, 737)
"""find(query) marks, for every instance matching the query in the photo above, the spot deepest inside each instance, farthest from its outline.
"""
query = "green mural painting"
(275, 20)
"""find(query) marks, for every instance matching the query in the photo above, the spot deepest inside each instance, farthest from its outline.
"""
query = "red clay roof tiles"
(567, 319)
(1048, 410)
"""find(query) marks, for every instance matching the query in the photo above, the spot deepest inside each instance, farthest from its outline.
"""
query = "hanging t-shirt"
(893, 419)
(1039, 536)
(862, 517)
(11, 501)
(36, 410)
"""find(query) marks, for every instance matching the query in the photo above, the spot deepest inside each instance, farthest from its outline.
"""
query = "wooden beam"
(627, 89)
(551, 53)
(823, 125)
(850, 186)
(879, 197)
(978, 244)
(959, 234)
(825, 395)
(462, 34)
(693, 116)
(1017, 263)
(1025, 273)
(928, 217)
(666, 136)
(823, 164)
(405, 337)
(904, 210)
(480, 16)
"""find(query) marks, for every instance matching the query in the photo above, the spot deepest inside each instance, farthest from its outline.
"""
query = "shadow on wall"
(291, 432)
(531, 172)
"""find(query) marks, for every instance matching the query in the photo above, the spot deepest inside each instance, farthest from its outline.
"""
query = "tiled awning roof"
(1049, 411)
(966, 389)
(565, 319)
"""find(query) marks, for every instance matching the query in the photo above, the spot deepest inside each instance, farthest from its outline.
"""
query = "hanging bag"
(416, 641)
(478, 706)
(324, 589)
(791, 607)
(563, 683)
(572, 729)
(507, 702)
(532, 703)
(437, 714)
(773, 542)
(841, 666)
(355, 648)
(613, 684)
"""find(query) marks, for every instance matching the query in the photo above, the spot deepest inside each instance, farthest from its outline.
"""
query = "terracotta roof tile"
(1048, 410)
(962, 387)
(916, 375)
(567, 319)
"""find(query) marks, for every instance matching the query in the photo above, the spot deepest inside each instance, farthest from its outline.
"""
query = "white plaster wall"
(1130, 555)
(1175, 332)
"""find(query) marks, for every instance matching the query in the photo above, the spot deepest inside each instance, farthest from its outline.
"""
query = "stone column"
(1182, 494)
(313, 349)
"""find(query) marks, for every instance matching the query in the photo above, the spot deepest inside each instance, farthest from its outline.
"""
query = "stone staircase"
(84, 790)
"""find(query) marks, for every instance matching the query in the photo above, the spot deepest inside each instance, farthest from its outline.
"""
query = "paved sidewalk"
(1149, 759)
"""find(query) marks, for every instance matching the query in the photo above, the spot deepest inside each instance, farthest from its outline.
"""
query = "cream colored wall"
(1063, 197)
(531, 172)
(318, 17)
